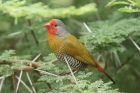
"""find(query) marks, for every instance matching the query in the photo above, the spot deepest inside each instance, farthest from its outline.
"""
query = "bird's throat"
(55, 42)
(52, 31)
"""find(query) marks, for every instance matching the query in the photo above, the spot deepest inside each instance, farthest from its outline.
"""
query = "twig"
(48, 84)
(14, 82)
(34, 64)
(19, 79)
(32, 32)
(25, 85)
(29, 79)
(30, 82)
(103, 59)
(36, 57)
(48, 73)
(53, 61)
(99, 56)
(117, 61)
(21, 72)
(24, 68)
(106, 60)
(134, 43)
(1, 84)
(71, 70)
(87, 27)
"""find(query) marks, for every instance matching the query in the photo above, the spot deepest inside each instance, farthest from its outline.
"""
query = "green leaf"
(7, 55)
(129, 9)
(17, 65)
(50, 57)
(47, 66)
(5, 70)
(114, 2)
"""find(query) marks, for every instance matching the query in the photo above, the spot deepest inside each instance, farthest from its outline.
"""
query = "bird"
(65, 45)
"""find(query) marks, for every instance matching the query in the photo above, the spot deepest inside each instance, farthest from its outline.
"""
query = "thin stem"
(1, 84)
(117, 61)
(99, 56)
(49, 85)
(71, 71)
(21, 72)
(32, 32)
(36, 57)
(48, 73)
(34, 64)
(30, 82)
(14, 82)
(29, 79)
(87, 27)
(24, 84)
(53, 61)
(134, 43)
(19, 79)
(24, 68)
(103, 58)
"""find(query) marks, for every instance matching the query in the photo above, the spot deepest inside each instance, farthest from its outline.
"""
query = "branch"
(34, 64)
(14, 82)
(25, 85)
(53, 61)
(24, 68)
(30, 65)
(32, 32)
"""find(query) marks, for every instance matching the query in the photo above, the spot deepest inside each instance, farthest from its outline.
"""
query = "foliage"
(7, 55)
(5, 70)
(19, 9)
(86, 88)
(23, 37)
(108, 36)
(130, 5)
(84, 85)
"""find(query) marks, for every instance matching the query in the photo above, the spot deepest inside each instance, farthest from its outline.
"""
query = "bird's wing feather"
(74, 48)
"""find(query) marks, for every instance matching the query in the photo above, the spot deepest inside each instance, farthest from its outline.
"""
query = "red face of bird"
(56, 28)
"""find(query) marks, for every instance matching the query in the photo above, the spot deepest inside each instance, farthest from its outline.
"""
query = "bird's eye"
(55, 25)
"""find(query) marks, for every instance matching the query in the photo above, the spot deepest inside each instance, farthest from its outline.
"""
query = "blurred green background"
(112, 23)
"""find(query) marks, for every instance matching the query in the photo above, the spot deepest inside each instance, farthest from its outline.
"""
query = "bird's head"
(56, 28)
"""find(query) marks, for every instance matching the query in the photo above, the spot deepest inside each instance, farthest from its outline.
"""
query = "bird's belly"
(74, 63)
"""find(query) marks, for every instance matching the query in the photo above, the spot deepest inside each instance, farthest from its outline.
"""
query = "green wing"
(74, 48)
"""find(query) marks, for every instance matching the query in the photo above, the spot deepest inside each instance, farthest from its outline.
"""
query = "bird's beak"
(47, 25)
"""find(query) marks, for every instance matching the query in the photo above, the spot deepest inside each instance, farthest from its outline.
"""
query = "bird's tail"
(103, 71)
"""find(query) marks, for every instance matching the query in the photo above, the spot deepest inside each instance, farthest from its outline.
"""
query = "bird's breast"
(56, 44)
(58, 47)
